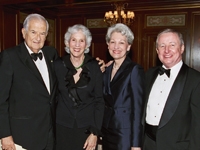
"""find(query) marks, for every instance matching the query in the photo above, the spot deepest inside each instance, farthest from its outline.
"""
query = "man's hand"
(8, 143)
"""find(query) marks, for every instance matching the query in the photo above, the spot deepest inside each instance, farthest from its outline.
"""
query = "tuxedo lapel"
(174, 96)
(27, 60)
(49, 63)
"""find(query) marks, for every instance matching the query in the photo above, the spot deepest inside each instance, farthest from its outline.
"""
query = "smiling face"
(35, 35)
(169, 49)
(77, 44)
(118, 46)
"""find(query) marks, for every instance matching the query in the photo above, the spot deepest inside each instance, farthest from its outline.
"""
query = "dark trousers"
(150, 137)
(149, 144)
(51, 141)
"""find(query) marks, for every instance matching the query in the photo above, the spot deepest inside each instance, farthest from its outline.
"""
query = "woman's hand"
(90, 143)
(109, 63)
(135, 148)
(101, 64)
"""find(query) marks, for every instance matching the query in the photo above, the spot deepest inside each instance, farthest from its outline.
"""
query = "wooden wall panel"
(143, 48)
(195, 41)
(62, 25)
(149, 55)
(1, 28)
(136, 50)
(9, 28)
(18, 1)
(99, 47)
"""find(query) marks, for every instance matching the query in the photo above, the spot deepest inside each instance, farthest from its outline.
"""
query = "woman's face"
(118, 46)
(77, 44)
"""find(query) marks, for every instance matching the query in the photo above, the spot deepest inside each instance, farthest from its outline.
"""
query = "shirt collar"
(175, 69)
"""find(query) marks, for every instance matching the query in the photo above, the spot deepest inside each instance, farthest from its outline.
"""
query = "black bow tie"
(163, 70)
(35, 56)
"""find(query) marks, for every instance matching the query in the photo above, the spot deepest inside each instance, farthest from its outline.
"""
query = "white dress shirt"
(42, 67)
(159, 94)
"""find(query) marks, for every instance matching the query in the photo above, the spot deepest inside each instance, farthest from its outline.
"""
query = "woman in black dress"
(80, 99)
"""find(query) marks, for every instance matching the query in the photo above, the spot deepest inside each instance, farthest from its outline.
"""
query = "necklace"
(115, 67)
(79, 66)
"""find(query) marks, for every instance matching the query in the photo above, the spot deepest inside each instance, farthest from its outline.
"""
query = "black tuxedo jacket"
(26, 107)
(179, 127)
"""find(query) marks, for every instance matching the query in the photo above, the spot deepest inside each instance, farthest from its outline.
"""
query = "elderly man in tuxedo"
(27, 90)
(172, 108)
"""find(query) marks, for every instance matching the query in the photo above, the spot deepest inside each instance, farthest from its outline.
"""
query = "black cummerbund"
(150, 131)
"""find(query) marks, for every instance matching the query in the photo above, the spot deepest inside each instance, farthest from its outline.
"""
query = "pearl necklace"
(115, 67)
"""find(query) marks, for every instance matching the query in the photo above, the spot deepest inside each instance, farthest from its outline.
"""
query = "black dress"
(80, 105)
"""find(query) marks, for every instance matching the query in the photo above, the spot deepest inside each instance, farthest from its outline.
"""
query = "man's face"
(169, 49)
(35, 35)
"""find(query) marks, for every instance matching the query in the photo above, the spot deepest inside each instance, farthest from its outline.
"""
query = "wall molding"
(96, 23)
(165, 20)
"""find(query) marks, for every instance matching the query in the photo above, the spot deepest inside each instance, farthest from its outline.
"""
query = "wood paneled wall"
(9, 28)
(144, 46)
(194, 49)
(143, 49)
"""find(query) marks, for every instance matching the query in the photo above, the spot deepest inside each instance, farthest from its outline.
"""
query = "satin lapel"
(49, 63)
(26, 59)
(120, 73)
(150, 79)
(107, 79)
(174, 96)
(107, 91)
